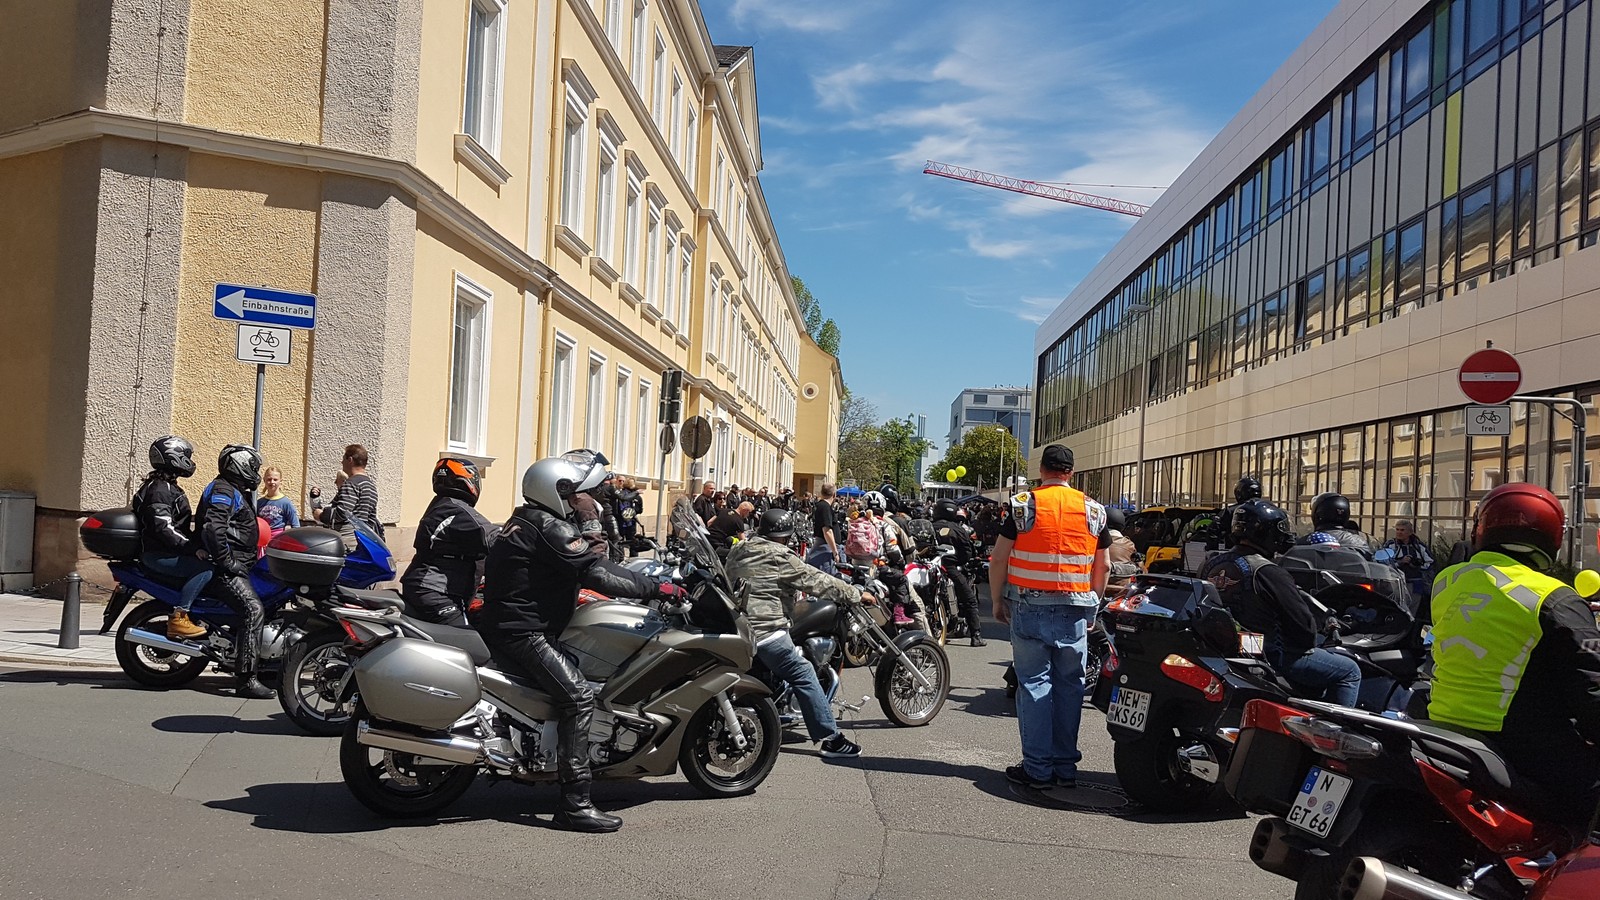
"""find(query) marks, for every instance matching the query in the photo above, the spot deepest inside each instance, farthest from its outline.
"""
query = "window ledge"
(600, 267)
(650, 312)
(630, 294)
(482, 462)
(569, 241)
(682, 339)
(477, 158)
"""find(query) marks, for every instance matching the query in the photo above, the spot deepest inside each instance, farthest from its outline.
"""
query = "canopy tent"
(850, 491)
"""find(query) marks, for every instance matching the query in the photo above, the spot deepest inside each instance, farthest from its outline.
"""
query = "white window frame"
(633, 228)
(614, 23)
(470, 293)
(594, 397)
(640, 34)
(641, 437)
(669, 280)
(675, 130)
(691, 139)
(605, 190)
(685, 282)
(658, 83)
(563, 376)
(622, 441)
(490, 63)
(652, 254)
(575, 148)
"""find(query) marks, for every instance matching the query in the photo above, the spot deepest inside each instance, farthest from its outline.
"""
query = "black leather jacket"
(228, 526)
(166, 523)
(452, 539)
(957, 534)
(1263, 598)
(534, 571)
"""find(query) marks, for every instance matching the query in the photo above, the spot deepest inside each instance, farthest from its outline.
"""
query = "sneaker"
(840, 747)
(1019, 776)
(1066, 782)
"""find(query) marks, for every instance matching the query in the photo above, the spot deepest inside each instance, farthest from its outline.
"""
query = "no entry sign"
(1490, 377)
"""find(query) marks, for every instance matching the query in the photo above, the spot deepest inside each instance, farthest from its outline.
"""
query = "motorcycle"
(912, 679)
(671, 686)
(1179, 672)
(304, 572)
(930, 580)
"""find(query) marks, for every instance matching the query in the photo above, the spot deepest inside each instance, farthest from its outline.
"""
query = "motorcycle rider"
(531, 581)
(591, 513)
(167, 542)
(1516, 652)
(1263, 598)
(1244, 490)
(948, 529)
(891, 497)
(452, 540)
(228, 531)
(899, 548)
(771, 575)
(1330, 514)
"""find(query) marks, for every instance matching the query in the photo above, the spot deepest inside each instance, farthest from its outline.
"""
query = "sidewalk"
(30, 628)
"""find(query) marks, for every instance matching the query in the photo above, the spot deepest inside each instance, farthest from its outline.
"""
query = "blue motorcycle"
(303, 573)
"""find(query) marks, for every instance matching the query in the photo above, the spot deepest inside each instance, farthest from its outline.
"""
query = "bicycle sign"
(264, 345)
(1489, 421)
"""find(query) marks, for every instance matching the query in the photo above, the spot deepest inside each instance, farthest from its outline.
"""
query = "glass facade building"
(1463, 150)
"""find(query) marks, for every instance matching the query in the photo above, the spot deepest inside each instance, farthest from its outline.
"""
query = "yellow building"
(515, 214)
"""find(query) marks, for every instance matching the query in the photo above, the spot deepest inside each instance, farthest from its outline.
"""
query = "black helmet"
(945, 508)
(172, 455)
(241, 465)
(1115, 520)
(1262, 525)
(458, 478)
(1246, 488)
(776, 525)
(1330, 510)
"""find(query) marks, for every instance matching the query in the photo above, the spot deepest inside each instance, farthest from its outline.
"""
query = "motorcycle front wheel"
(147, 665)
(309, 688)
(905, 701)
(398, 785)
(715, 764)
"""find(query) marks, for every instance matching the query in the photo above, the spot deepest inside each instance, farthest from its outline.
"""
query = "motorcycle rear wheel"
(905, 702)
(1148, 770)
(309, 687)
(398, 785)
(147, 665)
(713, 765)
(1430, 849)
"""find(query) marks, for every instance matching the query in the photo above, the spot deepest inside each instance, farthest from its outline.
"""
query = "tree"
(828, 338)
(899, 449)
(810, 309)
(858, 437)
(983, 450)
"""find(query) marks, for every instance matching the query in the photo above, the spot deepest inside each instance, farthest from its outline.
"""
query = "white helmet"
(549, 482)
(875, 501)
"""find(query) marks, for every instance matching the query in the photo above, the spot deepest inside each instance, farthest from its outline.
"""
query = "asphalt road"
(113, 790)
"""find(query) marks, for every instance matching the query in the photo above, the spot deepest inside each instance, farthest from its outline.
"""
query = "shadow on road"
(278, 723)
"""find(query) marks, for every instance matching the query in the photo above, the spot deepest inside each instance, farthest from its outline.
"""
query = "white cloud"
(792, 15)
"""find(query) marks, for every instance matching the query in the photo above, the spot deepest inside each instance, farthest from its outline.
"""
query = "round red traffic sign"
(1490, 376)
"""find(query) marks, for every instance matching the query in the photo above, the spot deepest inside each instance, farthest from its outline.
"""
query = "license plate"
(1130, 709)
(1318, 804)
(1251, 644)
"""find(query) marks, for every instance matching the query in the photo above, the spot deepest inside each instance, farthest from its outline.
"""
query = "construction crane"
(1034, 189)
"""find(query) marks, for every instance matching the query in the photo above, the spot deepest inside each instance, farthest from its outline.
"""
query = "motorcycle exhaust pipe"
(1370, 878)
(162, 642)
(450, 748)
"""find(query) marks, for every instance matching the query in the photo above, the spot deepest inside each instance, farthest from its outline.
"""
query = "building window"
(691, 137)
(632, 226)
(594, 421)
(468, 370)
(669, 280)
(641, 445)
(605, 210)
(480, 115)
(574, 146)
(622, 442)
(980, 398)
(614, 23)
(658, 84)
(685, 282)
(637, 50)
(652, 265)
(675, 130)
(561, 399)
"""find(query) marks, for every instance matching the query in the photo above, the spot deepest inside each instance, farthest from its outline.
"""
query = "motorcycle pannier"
(111, 534)
(310, 556)
(418, 683)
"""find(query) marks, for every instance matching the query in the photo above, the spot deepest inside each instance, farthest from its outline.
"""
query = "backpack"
(922, 531)
(864, 539)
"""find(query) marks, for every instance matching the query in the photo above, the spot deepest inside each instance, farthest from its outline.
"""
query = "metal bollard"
(70, 611)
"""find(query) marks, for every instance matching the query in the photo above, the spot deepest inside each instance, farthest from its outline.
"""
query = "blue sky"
(939, 285)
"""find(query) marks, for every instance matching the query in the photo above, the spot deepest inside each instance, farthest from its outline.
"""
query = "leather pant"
(966, 601)
(237, 594)
(554, 668)
(432, 606)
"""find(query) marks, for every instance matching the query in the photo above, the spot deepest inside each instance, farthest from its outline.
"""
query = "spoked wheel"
(858, 651)
(714, 763)
(313, 670)
(398, 785)
(938, 623)
(147, 665)
(905, 700)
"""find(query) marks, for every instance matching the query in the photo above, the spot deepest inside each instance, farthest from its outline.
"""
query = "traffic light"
(671, 408)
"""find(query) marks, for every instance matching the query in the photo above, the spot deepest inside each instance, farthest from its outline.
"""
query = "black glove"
(667, 592)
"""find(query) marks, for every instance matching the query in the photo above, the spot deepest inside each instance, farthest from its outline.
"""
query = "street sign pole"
(670, 411)
(261, 393)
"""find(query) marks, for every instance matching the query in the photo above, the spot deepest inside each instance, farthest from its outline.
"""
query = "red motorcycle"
(1365, 806)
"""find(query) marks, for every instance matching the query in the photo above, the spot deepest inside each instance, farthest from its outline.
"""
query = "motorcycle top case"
(111, 534)
(308, 555)
(418, 683)
(1172, 603)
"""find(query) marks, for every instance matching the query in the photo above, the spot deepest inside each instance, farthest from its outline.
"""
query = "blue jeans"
(1048, 645)
(196, 572)
(1337, 677)
(821, 558)
(783, 659)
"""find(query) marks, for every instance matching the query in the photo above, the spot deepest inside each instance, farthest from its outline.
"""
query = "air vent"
(809, 391)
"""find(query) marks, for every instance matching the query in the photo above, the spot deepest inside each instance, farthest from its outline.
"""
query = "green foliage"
(869, 450)
(983, 451)
(810, 309)
(828, 338)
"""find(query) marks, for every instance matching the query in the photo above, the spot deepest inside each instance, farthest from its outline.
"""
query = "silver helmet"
(592, 463)
(549, 482)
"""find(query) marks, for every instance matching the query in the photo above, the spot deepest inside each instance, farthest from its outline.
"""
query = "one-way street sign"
(264, 306)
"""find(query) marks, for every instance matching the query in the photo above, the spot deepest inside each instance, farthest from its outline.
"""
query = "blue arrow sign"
(264, 306)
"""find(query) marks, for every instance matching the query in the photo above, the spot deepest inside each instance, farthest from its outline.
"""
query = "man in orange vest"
(1048, 570)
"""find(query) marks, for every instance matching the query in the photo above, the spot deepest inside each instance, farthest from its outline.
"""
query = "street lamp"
(1144, 403)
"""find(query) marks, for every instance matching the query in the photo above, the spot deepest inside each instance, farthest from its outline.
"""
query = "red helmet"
(1523, 518)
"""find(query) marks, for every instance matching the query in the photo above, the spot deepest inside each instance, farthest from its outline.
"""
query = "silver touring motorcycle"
(670, 686)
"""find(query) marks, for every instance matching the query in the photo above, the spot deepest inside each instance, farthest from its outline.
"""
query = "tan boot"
(181, 628)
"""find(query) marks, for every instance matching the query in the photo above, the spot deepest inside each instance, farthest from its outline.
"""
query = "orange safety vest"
(1057, 553)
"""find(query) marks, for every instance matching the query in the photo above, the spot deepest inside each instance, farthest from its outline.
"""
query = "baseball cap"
(1056, 458)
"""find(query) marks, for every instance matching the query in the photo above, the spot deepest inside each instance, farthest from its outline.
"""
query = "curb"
(57, 662)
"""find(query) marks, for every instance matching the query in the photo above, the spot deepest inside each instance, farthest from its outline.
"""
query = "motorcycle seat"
(163, 580)
(460, 638)
(374, 599)
(1464, 749)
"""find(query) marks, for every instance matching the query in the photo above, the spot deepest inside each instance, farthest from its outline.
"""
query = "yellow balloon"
(1587, 583)
(961, 471)
(950, 475)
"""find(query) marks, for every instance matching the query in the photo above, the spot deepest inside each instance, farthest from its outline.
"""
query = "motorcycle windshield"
(696, 539)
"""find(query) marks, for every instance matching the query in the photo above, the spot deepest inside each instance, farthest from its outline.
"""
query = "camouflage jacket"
(772, 574)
